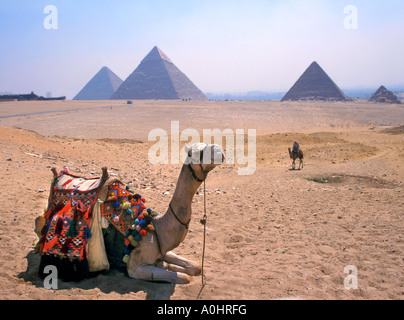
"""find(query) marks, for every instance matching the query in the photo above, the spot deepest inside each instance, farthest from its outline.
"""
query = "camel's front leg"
(178, 263)
(152, 273)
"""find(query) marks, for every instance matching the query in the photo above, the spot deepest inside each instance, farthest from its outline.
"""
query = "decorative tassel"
(72, 232)
(52, 210)
(80, 210)
(65, 247)
(64, 171)
(126, 206)
(44, 232)
(50, 244)
(126, 258)
(116, 205)
(47, 214)
(59, 226)
(88, 214)
(83, 253)
(88, 233)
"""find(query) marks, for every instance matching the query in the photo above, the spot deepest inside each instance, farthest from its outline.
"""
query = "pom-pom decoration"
(116, 219)
(126, 206)
(64, 171)
(150, 228)
(125, 258)
(143, 233)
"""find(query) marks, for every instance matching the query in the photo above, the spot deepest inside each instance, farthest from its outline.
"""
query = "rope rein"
(186, 225)
(203, 221)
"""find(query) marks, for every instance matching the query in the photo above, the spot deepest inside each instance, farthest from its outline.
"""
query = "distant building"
(101, 86)
(157, 77)
(27, 97)
(382, 95)
(315, 84)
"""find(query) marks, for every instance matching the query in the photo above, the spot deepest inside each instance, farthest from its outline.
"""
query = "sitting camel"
(294, 156)
(172, 227)
(153, 259)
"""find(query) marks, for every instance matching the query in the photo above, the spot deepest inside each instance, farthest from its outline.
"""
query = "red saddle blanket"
(68, 231)
(69, 214)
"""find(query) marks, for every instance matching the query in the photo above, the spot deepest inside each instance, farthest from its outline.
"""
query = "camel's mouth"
(205, 154)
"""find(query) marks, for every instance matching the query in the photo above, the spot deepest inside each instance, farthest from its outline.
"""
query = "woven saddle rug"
(75, 207)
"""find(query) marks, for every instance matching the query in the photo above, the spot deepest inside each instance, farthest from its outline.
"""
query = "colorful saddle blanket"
(69, 216)
(122, 208)
(68, 231)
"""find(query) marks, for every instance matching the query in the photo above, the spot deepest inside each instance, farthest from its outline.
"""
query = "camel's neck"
(185, 191)
(172, 232)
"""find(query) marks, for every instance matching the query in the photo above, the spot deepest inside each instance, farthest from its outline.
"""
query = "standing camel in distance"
(294, 156)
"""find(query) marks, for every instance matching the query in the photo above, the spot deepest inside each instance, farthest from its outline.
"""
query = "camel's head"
(203, 158)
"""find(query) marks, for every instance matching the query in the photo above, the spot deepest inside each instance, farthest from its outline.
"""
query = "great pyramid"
(100, 87)
(315, 84)
(157, 77)
(382, 95)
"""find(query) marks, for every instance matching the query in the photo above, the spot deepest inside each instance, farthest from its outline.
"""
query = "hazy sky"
(221, 45)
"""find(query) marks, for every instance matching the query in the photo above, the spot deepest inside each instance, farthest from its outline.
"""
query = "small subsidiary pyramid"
(157, 77)
(101, 86)
(382, 95)
(315, 84)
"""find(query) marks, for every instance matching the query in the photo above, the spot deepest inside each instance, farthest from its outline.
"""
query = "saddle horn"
(105, 174)
(55, 173)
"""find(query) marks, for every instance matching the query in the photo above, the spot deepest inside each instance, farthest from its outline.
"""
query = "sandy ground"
(277, 234)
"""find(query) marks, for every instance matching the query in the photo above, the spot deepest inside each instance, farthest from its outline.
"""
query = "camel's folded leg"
(168, 266)
(189, 267)
(153, 273)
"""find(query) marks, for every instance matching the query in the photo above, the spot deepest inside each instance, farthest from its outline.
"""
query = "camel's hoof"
(182, 278)
(195, 271)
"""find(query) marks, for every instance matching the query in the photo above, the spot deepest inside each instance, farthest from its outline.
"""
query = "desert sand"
(276, 234)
